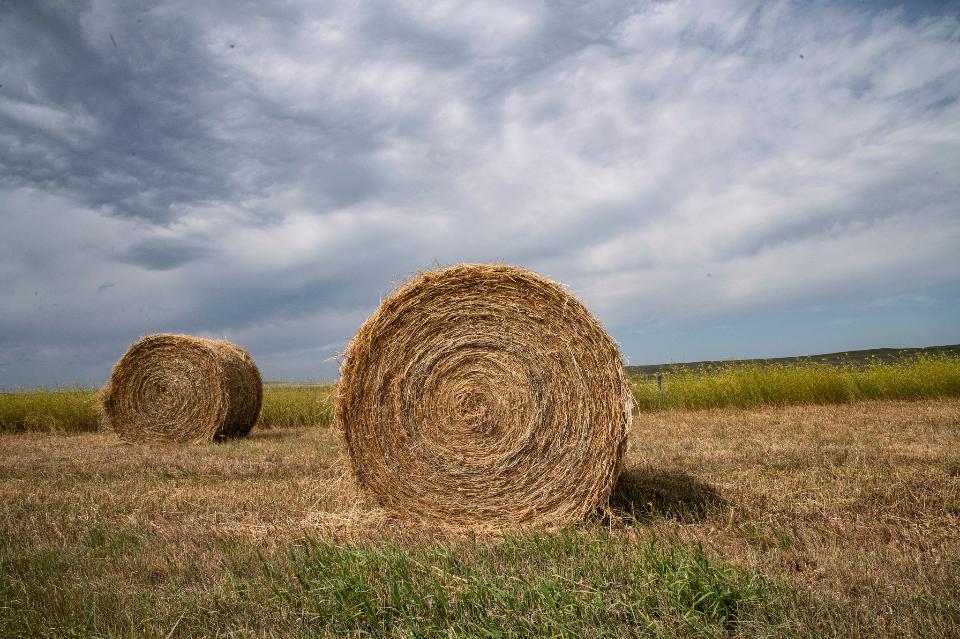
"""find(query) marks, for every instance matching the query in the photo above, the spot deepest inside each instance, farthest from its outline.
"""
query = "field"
(801, 521)
(799, 518)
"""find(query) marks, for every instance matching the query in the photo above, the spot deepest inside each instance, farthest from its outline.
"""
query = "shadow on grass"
(646, 493)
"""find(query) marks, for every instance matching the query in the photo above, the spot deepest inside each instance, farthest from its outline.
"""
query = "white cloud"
(70, 127)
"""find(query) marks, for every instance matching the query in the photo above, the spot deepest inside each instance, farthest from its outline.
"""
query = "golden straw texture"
(484, 395)
(178, 388)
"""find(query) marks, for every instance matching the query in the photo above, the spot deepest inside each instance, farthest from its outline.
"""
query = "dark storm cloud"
(127, 110)
(119, 126)
(268, 171)
(160, 254)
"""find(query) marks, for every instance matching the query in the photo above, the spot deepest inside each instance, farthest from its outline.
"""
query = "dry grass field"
(809, 521)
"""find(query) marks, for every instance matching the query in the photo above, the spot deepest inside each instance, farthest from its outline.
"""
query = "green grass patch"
(541, 585)
(754, 385)
(568, 585)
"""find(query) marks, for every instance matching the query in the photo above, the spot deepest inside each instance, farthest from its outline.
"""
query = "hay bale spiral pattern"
(484, 395)
(178, 388)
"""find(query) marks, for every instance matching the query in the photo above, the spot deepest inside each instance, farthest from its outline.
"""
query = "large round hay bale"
(178, 388)
(484, 395)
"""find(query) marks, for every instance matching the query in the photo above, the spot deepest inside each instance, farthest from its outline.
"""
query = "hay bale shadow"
(645, 493)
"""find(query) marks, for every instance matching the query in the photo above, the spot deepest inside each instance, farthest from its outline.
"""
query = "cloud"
(269, 172)
(161, 254)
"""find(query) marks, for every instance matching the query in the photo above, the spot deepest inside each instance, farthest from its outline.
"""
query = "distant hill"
(833, 359)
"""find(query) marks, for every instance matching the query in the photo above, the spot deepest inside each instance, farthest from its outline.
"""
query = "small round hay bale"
(484, 395)
(178, 388)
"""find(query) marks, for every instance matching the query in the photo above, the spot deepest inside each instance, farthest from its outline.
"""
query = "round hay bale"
(484, 395)
(178, 388)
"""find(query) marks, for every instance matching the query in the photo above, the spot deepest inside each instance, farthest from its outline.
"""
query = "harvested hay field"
(805, 521)
(484, 395)
(179, 388)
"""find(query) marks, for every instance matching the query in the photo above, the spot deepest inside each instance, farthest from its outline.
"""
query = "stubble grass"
(808, 521)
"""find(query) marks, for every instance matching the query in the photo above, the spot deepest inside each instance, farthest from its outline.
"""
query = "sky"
(714, 180)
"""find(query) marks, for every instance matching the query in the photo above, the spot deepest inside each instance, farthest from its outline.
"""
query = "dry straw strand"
(484, 395)
(179, 388)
